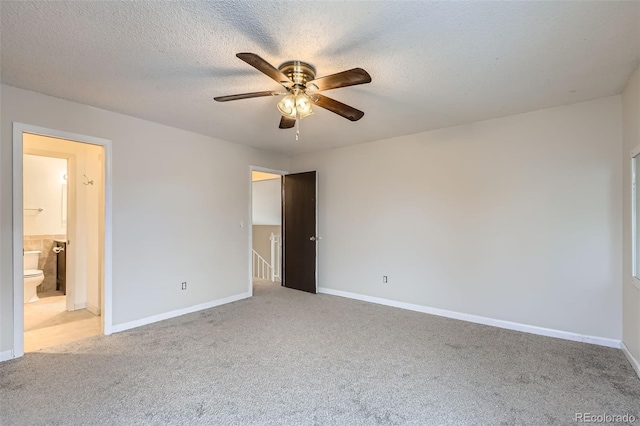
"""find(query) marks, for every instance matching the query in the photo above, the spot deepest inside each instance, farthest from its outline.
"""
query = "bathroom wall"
(44, 185)
(94, 227)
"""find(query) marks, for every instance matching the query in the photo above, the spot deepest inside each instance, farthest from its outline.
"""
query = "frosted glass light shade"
(303, 105)
(287, 106)
(298, 105)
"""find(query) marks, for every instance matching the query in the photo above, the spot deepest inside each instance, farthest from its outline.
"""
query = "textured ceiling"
(433, 64)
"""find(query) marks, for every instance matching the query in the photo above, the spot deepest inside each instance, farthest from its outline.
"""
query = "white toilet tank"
(31, 259)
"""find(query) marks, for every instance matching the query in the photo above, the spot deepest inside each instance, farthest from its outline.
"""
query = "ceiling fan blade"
(265, 67)
(287, 122)
(350, 113)
(246, 96)
(341, 79)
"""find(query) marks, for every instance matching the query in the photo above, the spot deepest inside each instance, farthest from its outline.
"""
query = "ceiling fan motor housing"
(299, 72)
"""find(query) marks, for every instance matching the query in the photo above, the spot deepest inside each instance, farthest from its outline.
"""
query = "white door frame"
(18, 222)
(250, 224)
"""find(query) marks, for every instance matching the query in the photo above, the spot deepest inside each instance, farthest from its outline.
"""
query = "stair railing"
(261, 268)
(276, 257)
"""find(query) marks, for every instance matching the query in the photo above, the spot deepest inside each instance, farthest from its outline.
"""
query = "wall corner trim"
(548, 332)
(179, 312)
(93, 309)
(634, 362)
(6, 356)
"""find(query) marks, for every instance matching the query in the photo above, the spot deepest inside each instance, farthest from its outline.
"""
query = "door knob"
(58, 249)
(312, 238)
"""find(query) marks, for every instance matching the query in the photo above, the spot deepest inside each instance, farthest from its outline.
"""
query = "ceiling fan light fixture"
(287, 106)
(303, 105)
(295, 106)
(299, 80)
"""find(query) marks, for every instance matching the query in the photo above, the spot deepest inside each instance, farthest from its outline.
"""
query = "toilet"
(33, 277)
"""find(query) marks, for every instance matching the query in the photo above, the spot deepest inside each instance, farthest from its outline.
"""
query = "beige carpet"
(292, 358)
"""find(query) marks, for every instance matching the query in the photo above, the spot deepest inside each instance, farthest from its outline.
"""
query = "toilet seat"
(30, 273)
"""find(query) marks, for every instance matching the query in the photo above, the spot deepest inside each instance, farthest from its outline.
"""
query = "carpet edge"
(116, 328)
(532, 329)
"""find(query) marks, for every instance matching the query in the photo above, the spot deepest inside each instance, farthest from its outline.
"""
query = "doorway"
(266, 227)
(62, 238)
(284, 204)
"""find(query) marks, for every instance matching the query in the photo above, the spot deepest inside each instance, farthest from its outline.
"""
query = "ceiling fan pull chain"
(297, 126)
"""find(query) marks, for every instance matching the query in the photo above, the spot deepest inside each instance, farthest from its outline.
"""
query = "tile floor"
(48, 323)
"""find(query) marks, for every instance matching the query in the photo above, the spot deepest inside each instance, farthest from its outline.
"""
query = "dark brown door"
(299, 231)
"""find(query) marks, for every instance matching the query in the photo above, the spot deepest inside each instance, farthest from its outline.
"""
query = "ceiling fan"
(301, 89)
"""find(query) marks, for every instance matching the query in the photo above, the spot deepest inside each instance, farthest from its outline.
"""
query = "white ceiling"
(433, 64)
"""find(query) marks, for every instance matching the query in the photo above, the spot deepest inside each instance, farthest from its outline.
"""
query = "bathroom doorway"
(266, 227)
(62, 239)
(62, 261)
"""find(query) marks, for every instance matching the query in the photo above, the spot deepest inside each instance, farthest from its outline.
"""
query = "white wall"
(42, 188)
(267, 204)
(262, 239)
(515, 219)
(178, 200)
(630, 293)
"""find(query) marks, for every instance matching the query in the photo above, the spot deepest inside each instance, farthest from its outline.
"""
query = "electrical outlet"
(384, 279)
(184, 285)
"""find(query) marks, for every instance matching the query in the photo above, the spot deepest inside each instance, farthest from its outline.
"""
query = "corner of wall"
(630, 293)
(632, 360)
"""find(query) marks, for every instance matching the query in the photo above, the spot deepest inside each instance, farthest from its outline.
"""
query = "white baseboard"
(6, 356)
(634, 362)
(549, 332)
(79, 306)
(172, 314)
(94, 310)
